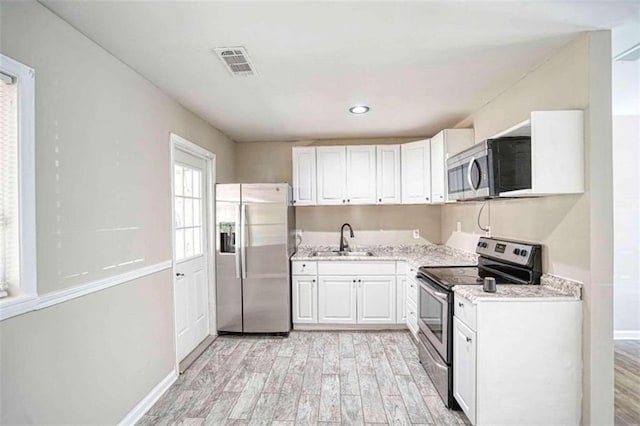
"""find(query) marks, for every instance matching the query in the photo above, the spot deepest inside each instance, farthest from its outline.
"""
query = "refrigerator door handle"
(237, 248)
(243, 240)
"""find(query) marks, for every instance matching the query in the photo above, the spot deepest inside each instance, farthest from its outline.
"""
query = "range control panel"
(508, 251)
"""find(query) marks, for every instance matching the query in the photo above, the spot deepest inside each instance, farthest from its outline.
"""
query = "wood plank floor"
(627, 382)
(349, 378)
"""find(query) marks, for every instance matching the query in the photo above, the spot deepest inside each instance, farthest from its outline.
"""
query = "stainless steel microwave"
(489, 168)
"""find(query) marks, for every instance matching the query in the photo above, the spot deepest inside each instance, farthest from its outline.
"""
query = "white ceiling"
(421, 66)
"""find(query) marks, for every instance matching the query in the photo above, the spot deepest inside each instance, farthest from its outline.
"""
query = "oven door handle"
(434, 293)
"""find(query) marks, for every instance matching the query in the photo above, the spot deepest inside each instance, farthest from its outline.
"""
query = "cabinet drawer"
(465, 311)
(357, 268)
(412, 271)
(412, 290)
(304, 268)
(401, 268)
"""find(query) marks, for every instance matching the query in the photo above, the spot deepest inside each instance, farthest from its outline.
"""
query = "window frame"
(13, 305)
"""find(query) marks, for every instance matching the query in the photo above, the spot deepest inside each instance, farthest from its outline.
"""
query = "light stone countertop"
(415, 255)
(551, 288)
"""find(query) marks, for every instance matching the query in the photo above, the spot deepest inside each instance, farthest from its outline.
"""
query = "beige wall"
(271, 162)
(103, 198)
(574, 229)
(371, 218)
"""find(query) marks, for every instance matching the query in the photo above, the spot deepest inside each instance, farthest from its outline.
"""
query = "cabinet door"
(416, 172)
(401, 299)
(464, 368)
(337, 300)
(438, 176)
(305, 300)
(388, 174)
(331, 175)
(361, 174)
(377, 300)
(304, 176)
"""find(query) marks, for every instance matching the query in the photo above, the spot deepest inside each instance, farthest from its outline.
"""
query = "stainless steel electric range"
(509, 262)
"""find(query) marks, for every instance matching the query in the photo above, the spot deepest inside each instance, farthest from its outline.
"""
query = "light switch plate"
(416, 234)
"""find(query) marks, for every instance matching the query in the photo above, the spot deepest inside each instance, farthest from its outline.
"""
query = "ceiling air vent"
(236, 59)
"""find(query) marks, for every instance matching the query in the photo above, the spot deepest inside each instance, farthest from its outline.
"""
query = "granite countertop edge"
(415, 255)
(551, 289)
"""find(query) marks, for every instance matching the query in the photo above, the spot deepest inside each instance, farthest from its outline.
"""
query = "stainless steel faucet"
(344, 246)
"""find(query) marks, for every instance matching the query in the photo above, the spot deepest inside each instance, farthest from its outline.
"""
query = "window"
(188, 211)
(17, 188)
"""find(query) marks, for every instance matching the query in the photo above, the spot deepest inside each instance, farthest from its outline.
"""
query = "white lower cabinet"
(401, 299)
(518, 362)
(464, 379)
(376, 301)
(337, 300)
(305, 299)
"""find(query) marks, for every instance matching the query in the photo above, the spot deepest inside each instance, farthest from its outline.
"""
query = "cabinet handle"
(294, 201)
(304, 265)
(348, 200)
(343, 201)
(380, 200)
(468, 339)
(460, 304)
(359, 281)
(411, 285)
(354, 281)
(427, 198)
(313, 281)
(179, 274)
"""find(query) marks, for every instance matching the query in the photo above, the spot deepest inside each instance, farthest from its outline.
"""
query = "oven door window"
(432, 311)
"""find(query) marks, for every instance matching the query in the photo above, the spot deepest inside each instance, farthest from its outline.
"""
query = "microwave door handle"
(472, 163)
(469, 172)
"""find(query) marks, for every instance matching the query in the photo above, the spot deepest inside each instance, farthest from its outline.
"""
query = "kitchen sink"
(336, 253)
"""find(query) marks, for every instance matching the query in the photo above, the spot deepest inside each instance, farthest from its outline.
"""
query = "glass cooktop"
(449, 276)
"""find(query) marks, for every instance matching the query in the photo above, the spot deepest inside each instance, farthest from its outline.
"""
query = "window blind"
(9, 197)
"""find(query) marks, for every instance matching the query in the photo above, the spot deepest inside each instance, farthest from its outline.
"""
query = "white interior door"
(191, 290)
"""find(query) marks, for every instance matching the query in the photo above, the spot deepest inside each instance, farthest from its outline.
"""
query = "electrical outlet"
(416, 234)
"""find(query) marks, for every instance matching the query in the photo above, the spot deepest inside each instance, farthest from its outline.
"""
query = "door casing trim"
(178, 142)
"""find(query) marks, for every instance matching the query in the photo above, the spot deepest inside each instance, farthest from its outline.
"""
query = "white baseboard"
(349, 327)
(626, 335)
(147, 402)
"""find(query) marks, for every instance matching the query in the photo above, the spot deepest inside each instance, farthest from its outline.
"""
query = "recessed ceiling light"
(359, 109)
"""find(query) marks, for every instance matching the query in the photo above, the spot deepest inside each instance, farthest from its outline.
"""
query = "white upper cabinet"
(304, 176)
(361, 174)
(331, 162)
(446, 143)
(438, 159)
(416, 172)
(388, 174)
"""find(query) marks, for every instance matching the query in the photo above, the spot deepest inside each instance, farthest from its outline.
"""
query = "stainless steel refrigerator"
(255, 238)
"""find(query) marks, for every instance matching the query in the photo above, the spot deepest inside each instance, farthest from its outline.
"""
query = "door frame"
(178, 142)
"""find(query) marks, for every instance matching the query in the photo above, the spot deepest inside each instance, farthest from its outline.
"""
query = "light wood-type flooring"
(307, 378)
(627, 382)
